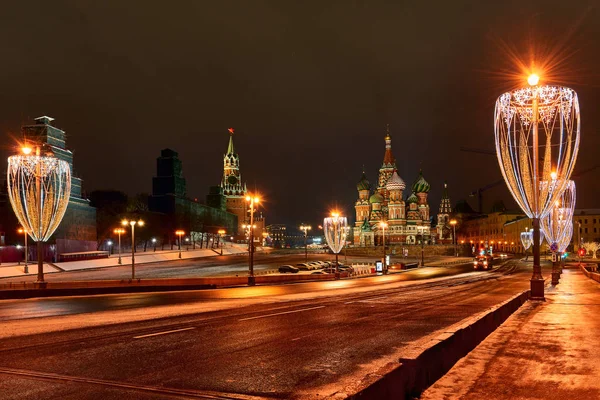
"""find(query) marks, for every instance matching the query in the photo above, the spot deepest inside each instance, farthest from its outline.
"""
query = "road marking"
(280, 313)
(367, 300)
(186, 393)
(163, 333)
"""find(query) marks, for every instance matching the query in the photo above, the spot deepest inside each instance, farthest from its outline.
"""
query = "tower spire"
(230, 149)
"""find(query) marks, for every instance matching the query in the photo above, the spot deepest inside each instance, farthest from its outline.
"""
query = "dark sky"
(308, 86)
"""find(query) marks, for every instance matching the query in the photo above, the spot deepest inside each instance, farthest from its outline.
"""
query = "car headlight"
(485, 263)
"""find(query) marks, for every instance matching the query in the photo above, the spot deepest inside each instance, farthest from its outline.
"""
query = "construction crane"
(479, 192)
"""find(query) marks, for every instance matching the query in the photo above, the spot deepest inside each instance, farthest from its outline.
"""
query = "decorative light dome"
(421, 185)
(364, 183)
(395, 182)
(376, 198)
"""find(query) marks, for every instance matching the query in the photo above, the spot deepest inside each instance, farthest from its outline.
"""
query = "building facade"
(169, 197)
(408, 220)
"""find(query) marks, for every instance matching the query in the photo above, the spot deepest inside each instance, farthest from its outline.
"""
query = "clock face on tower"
(232, 180)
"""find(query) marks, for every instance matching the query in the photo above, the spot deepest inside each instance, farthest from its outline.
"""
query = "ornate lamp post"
(132, 223)
(179, 233)
(119, 231)
(383, 225)
(520, 116)
(38, 188)
(109, 243)
(526, 241)
(24, 232)
(453, 222)
(334, 229)
(305, 229)
(557, 225)
(253, 201)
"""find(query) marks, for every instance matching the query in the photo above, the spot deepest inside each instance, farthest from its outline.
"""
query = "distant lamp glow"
(553, 175)
(533, 79)
(26, 150)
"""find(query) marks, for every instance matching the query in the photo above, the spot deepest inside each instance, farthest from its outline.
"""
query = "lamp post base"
(251, 281)
(40, 285)
(555, 277)
(337, 276)
(537, 289)
(26, 269)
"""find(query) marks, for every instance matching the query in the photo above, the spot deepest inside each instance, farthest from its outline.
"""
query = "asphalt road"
(295, 349)
(53, 306)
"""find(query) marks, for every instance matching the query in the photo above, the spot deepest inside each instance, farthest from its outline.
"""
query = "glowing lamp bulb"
(553, 175)
(26, 150)
(533, 79)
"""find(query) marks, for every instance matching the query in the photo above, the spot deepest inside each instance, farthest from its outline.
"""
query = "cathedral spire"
(388, 158)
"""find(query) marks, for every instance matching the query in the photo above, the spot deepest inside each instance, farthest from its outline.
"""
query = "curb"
(424, 365)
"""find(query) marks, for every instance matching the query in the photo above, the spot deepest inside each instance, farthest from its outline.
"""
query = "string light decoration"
(537, 132)
(559, 220)
(526, 240)
(566, 239)
(38, 188)
(334, 229)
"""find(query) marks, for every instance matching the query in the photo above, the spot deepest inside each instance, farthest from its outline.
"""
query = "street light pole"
(179, 233)
(383, 225)
(422, 246)
(154, 243)
(252, 201)
(221, 233)
(305, 228)
(24, 232)
(119, 231)
(453, 223)
(132, 223)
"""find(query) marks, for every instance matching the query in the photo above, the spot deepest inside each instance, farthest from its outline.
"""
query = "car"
(318, 273)
(288, 268)
(483, 262)
(303, 267)
(329, 270)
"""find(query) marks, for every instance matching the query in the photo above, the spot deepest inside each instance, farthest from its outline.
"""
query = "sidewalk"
(13, 270)
(545, 350)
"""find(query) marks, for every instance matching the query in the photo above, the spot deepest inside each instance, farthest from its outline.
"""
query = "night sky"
(308, 87)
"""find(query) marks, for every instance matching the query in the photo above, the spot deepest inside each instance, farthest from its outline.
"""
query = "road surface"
(301, 341)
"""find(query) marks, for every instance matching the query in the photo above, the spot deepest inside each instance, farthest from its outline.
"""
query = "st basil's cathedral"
(408, 220)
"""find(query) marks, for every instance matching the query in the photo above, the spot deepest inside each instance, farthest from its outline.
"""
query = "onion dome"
(395, 182)
(412, 199)
(364, 183)
(421, 185)
(376, 198)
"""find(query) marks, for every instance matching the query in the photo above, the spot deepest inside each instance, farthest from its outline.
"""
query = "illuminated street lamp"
(154, 243)
(422, 230)
(383, 225)
(109, 243)
(453, 222)
(537, 173)
(305, 229)
(252, 201)
(119, 231)
(179, 233)
(24, 232)
(334, 229)
(221, 233)
(38, 189)
(132, 223)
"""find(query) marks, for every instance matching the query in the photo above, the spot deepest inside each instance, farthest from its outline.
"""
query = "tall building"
(79, 221)
(234, 190)
(407, 219)
(444, 230)
(169, 197)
